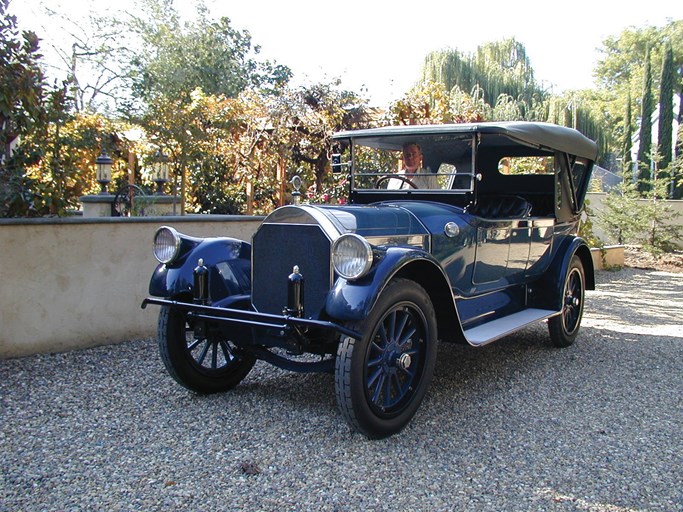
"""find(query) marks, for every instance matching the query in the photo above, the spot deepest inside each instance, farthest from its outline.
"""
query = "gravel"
(516, 425)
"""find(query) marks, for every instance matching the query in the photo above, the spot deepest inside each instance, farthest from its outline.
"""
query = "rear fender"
(547, 292)
(229, 264)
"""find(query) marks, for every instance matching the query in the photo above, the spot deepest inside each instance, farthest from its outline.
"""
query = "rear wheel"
(564, 327)
(381, 379)
(206, 363)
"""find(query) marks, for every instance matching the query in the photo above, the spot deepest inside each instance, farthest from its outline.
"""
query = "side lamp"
(296, 183)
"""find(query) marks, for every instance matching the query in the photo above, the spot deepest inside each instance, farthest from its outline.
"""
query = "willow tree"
(499, 68)
(502, 72)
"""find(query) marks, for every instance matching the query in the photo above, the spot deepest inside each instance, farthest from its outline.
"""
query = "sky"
(378, 46)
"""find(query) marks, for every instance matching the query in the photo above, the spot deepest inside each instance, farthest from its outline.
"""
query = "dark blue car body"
(367, 288)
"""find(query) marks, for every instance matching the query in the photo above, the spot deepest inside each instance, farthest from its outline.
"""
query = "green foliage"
(226, 151)
(621, 217)
(666, 106)
(21, 110)
(620, 75)
(21, 80)
(502, 87)
(178, 58)
(627, 133)
(498, 68)
(586, 228)
(660, 219)
(63, 169)
(631, 219)
(676, 167)
(646, 109)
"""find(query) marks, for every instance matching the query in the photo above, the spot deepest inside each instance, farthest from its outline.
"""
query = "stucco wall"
(73, 283)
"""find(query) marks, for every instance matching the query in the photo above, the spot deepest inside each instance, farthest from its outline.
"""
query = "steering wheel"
(382, 179)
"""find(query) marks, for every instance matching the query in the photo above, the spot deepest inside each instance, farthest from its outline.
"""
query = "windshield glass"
(443, 162)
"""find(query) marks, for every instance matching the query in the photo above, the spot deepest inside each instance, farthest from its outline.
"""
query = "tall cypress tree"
(628, 133)
(666, 107)
(645, 146)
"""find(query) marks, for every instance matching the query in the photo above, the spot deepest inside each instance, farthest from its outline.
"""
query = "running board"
(491, 331)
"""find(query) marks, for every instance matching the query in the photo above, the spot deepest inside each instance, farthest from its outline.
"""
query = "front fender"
(353, 300)
(229, 264)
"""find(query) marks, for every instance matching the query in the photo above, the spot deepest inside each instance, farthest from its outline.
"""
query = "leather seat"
(500, 207)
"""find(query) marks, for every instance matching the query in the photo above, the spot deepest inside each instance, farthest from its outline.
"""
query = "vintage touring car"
(476, 242)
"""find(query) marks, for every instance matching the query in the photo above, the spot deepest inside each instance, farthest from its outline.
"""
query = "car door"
(502, 251)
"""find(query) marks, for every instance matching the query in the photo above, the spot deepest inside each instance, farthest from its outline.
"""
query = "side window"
(520, 165)
(579, 177)
(564, 201)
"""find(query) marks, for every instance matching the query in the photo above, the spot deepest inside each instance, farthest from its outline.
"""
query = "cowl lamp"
(103, 164)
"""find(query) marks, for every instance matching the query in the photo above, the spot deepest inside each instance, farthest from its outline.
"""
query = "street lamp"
(103, 164)
(160, 171)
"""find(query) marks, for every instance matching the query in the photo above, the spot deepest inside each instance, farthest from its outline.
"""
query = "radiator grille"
(276, 249)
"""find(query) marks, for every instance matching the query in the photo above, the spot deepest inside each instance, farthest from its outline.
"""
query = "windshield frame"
(456, 150)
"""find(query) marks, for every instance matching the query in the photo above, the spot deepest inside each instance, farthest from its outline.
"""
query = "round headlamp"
(166, 244)
(351, 256)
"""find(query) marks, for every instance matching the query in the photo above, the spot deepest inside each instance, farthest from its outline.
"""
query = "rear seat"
(500, 207)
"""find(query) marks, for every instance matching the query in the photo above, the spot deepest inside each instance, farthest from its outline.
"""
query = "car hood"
(382, 219)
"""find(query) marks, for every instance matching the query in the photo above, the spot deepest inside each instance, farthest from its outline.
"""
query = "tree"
(500, 80)
(630, 218)
(645, 137)
(622, 218)
(318, 111)
(192, 68)
(22, 82)
(22, 90)
(497, 68)
(666, 107)
(620, 75)
(176, 58)
(431, 103)
(627, 135)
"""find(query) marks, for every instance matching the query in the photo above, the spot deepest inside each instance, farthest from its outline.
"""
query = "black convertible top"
(541, 135)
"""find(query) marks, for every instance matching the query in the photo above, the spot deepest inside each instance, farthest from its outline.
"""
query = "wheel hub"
(395, 358)
(404, 361)
(572, 301)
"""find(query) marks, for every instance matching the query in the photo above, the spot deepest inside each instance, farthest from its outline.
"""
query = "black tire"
(564, 327)
(207, 364)
(381, 379)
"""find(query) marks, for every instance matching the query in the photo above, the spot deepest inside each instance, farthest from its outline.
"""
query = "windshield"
(444, 162)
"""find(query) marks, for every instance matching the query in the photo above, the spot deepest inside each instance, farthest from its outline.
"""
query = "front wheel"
(381, 379)
(564, 327)
(205, 363)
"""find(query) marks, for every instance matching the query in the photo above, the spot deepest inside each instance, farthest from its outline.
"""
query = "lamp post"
(160, 171)
(103, 164)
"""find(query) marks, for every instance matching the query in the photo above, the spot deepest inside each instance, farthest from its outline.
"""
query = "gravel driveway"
(513, 426)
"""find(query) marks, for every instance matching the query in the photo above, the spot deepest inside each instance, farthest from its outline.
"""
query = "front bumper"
(282, 323)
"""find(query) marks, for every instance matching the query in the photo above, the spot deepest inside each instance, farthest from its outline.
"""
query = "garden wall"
(73, 283)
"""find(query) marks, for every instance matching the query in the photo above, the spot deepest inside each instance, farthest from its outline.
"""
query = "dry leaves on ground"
(636, 257)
